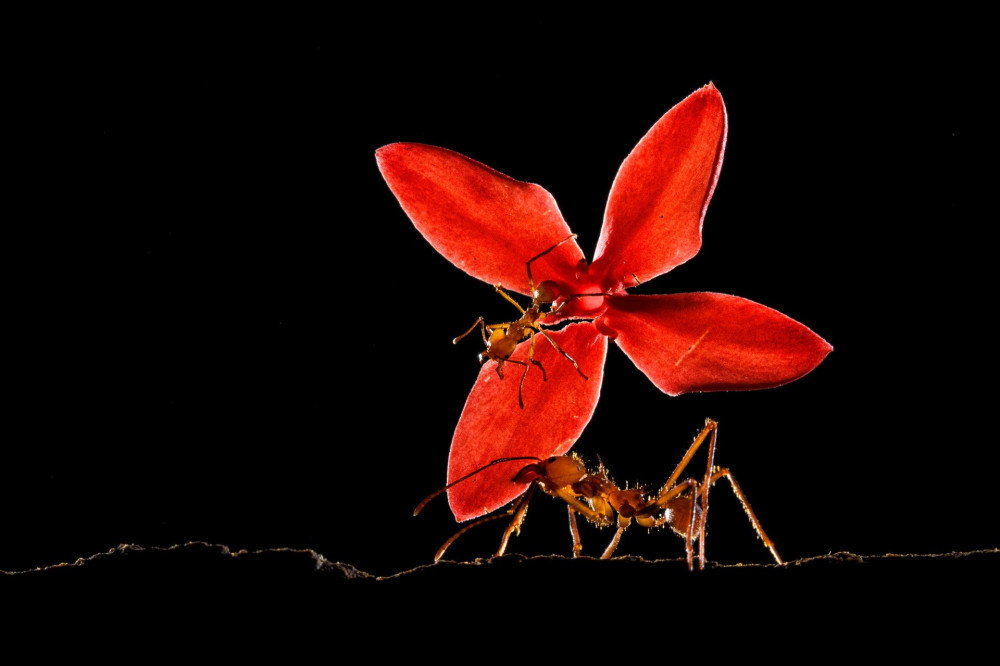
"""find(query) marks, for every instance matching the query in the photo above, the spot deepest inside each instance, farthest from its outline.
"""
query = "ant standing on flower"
(504, 338)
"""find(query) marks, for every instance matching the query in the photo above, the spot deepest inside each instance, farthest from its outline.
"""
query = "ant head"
(564, 470)
(546, 291)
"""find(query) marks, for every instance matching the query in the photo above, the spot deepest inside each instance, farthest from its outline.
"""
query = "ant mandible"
(680, 505)
(504, 338)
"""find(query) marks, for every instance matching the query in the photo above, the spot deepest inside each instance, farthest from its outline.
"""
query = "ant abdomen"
(679, 518)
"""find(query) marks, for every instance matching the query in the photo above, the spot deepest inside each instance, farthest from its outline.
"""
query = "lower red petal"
(493, 426)
(711, 342)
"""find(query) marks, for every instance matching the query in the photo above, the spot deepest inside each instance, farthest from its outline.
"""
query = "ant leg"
(519, 509)
(520, 401)
(560, 350)
(531, 282)
(672, 494)
(670, 490)
(520, 387)
(566, 494)
(480, 323)
(574, 530)
(667, 494)
(503, 293)
(688, 549)
(531, 359)
(610, 550)
(706, 486)
(710, 427)
(531, 355)
(725, 473)
(440, 553)
(545, 377)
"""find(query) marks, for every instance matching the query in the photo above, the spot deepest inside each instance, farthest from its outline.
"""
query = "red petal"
(712, 342)
(484, 222)
(653, 219)
(493, 426)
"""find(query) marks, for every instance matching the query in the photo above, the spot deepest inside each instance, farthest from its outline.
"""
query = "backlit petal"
(484, 222)
(711, 342)
(652, 222)
(493, 426)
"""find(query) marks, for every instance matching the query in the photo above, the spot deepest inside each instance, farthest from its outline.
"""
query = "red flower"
(489, 225)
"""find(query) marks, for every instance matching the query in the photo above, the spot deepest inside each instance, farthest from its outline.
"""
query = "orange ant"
(504, 338)
(680, 505)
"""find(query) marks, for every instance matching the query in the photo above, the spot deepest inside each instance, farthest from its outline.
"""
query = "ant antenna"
(420, 507)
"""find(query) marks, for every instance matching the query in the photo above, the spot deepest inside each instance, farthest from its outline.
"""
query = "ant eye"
(546, 291)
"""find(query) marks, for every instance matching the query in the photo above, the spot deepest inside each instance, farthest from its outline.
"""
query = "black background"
(227, 330)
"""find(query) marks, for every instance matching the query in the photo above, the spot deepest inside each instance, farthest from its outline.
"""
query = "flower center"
(590, 303)
(585, 301)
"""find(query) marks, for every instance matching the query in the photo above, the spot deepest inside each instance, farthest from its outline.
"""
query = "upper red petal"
(652, 222)
(493, 426)
(484, 222)
(711, 342)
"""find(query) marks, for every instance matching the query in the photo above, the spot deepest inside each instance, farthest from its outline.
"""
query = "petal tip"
(386, 152)
(823, 348)
(709, 90)
(704, 341)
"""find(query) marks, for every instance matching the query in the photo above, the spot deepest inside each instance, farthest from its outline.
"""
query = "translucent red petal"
(711, 342)
(653, 219)
(493, 426)
(484, 222)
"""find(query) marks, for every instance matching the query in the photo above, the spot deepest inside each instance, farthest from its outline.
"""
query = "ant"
(504, 338)
(680, 505)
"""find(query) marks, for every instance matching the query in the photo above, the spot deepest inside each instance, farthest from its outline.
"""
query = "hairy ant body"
(504, 338)
(681, 505)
